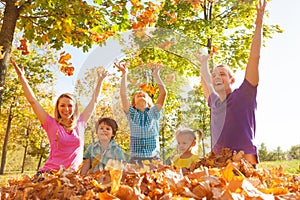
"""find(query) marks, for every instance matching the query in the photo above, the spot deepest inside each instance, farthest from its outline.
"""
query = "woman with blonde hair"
(65, 130)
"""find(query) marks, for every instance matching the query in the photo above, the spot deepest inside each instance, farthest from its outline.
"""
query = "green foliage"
(278, 154)
(68, 22)
(294, 153)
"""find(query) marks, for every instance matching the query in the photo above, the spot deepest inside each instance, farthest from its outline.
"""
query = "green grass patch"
(13, 176)
(289, 166)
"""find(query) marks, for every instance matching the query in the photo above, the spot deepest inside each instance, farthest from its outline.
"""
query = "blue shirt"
(144, 132)
(113, 151)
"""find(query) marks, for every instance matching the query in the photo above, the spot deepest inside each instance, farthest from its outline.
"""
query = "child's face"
(141, 96)
(184, 142)
(105, 132)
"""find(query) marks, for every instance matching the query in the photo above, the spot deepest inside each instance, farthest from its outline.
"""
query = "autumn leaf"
(66, 67)
(67, 70)
(214, 50)
(23, 47)
(170, 78)
(153, 180)
(64, 58)
(1, 54)
(228, 173)
(136, 4)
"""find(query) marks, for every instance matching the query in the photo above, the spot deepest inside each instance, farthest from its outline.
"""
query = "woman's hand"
(20, 70)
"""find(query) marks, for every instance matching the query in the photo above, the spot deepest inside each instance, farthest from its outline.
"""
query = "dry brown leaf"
(232, 179)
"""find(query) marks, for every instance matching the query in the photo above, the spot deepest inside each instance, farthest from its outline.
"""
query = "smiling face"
(105, 133)
(222, 79)
(66, 108)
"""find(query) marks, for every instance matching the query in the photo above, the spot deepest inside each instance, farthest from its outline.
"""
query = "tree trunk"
(25, 151)
(40, 160)
(4, 149)
(11, 15)
(24, 157)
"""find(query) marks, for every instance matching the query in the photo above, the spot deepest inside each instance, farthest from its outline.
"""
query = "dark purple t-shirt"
(233, 120)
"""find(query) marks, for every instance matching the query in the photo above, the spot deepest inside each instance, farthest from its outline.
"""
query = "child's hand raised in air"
(121, 66)
(102, 74)
(157, 68)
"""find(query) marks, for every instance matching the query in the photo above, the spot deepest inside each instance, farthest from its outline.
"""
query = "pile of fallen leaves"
(223, 176)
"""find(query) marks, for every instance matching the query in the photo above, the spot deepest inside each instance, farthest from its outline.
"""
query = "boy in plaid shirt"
(143, 118)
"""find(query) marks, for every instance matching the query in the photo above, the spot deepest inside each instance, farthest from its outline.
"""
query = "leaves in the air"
(23, 47)
(66, 67)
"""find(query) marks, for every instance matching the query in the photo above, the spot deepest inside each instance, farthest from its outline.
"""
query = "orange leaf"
(64, 58)
(143, 87)
(23, 47)
(136, 4)
(214, 50)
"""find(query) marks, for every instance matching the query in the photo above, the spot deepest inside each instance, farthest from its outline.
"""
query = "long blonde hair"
(71, 125)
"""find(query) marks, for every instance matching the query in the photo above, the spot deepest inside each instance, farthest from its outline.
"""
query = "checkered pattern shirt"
(144, 132)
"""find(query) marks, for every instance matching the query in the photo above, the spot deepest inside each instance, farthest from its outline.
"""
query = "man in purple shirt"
(233, 111)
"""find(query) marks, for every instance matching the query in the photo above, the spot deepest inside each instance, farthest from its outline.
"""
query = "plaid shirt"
(113, 151)
(144, 132)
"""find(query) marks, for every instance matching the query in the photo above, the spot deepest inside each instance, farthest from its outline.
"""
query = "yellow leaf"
(228, 172)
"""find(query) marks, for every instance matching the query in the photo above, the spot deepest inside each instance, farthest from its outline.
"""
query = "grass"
(4, 179)
(289, 166)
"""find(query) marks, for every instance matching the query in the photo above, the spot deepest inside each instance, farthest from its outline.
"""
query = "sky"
(278, 109)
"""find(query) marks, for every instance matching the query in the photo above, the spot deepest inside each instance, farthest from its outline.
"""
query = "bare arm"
(123, 89)
(252, 74)
(161, 87)
(206, 80)
(36, 106)
(86, 165)
(88, 111)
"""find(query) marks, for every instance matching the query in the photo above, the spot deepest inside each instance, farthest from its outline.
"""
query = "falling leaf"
(214, 50)
(170, 78)
(23, 47)
(64, 58)
(66, 67)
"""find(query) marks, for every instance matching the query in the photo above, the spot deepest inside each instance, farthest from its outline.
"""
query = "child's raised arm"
(123, 90)
(161, 87)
